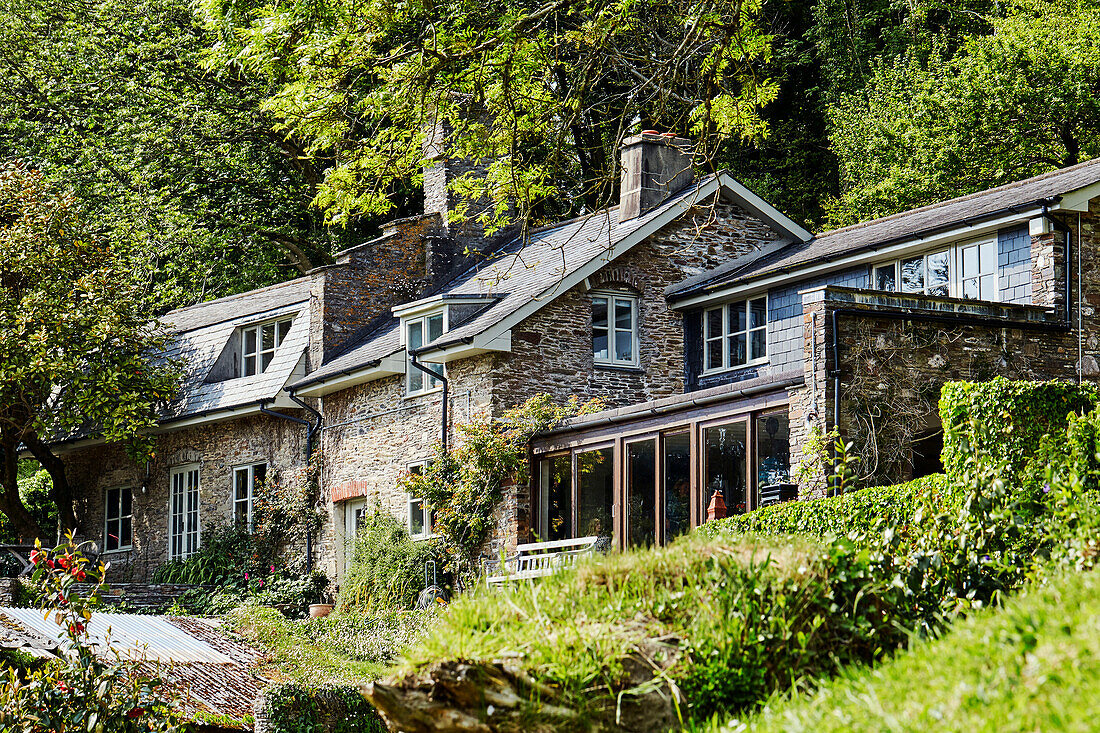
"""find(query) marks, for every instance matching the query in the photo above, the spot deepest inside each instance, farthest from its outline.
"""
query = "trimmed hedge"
(837, 515)
(1003, 420)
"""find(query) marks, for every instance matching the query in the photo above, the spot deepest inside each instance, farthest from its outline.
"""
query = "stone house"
(719, 332)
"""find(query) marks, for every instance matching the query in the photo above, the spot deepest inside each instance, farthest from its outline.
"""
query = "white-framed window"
(419, 513)
(965, 270)
(183, 512)
(258, 344)
(735, 334)
(118, 525)
(978, 270)
(245, 481)
(420, 331)
(615, 329)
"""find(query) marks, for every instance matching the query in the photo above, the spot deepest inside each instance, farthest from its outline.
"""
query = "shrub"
(1004, 421)
(859, 511)
(294, 708)
(387, 569)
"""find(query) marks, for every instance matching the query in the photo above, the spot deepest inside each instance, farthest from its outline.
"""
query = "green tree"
(1022, 101)
(78, 349)
(544, 90)
(179, 168)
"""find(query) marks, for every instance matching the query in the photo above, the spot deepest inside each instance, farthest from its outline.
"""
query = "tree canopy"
(78, 348)
(543, 90)
(1020, 101)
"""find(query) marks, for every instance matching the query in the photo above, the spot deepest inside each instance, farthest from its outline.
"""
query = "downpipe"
(446, 392)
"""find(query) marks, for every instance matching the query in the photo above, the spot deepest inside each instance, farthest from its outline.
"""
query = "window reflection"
(555, 516)
(641, 490)
(677, 498)
(595, 492)
(724, 450)
(773, 458)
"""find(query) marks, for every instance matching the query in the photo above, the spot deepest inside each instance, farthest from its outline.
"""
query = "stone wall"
(216, 447)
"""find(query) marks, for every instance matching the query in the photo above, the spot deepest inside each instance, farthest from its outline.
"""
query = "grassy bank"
(1033, 665)
(706, 625)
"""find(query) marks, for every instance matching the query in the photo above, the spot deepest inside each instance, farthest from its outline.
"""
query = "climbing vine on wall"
(464, 485)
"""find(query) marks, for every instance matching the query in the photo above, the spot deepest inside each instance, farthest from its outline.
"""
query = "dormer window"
(418, 332)
(736, 335)
(258, 344)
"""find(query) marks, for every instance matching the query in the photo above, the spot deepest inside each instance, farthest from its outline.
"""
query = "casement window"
(735, 334)
(615, 329)
(420, 331)
(118, 532)
(258, 344)
(967, 270)
(246, 479)
(420, 514)
(183, 512)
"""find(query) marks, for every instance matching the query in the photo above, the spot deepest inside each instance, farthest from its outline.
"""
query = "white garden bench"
(539, 559)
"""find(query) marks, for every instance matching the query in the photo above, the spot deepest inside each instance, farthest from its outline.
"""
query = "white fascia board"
(1077, 200)
(480, 345)
(867, 257)
(388, 366)
(231, 413)
(590, 268)
(762, 209)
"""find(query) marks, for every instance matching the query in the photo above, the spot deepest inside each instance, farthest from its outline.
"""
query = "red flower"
(135, 713)
(49, 564)
(64, 562)
(62, 687)
(80, 576)
(37, 556)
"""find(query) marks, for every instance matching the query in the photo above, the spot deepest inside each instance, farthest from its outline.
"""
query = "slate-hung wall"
(218, 448)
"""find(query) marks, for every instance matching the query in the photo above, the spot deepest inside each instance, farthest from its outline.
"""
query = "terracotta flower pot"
(320, 610)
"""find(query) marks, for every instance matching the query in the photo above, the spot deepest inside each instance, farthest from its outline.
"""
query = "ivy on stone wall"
(465, 484)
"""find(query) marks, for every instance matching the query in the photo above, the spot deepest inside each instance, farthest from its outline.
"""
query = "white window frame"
(191, 521)
(614, 333)
(107, 519)
(727, 334)
(955, 253)
(258, 354)
(427, 384)
(249, 469)
(429, 519)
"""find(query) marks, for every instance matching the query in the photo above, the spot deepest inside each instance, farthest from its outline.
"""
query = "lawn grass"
(341, 649)
(1033, 665)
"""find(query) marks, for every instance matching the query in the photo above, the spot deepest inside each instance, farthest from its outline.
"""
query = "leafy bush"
(387, 569)
(464, 485)
(859, 511)
(294, 708)
(1004, 421)
(82, 690)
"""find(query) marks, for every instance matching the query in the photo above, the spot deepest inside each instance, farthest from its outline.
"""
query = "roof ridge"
(957, 199)
(236, 296)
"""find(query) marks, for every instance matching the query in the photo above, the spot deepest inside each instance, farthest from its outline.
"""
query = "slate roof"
(518, 274)
(203, 330)
(914, 223)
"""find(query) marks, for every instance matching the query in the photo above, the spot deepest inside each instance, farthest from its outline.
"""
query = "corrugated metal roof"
(212, 673)
(153, 638)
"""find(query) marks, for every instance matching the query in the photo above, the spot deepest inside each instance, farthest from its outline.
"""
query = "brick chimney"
(654, 167)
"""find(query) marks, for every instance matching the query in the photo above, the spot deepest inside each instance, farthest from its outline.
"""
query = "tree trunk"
(61, 493)
(24, 525)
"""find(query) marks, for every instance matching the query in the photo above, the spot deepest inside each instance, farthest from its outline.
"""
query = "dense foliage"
(387, 571)
(89, 688)
(294, 708)
(1004, 421)
(859, 511)
(463, 485)
(77, 348)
